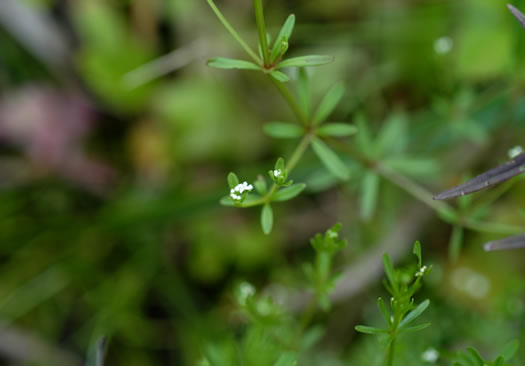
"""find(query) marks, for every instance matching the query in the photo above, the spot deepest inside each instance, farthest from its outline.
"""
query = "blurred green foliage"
(146, 255)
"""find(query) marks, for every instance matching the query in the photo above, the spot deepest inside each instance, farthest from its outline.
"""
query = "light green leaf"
(475, 356)
(280, 76)
(415, 328)
(414, 313)
(229, 63)
(329, 102)
(305, 61)
(413, 166)
(369, 193)
(336, 130)
(233, 181)
(286, 30)
(417, 251)
(393, 135)
(370, 330)
(279, 164)
(330, 159)
(283, 130)
(500, 361)
(304, 92)
(286, 359)
(260, 186)
(288, 193)
(267, 218)
(510, 349)
(386, 314)
(389, 270)
(280, 50)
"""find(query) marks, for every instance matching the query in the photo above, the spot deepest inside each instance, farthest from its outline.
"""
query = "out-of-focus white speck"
(443, 45)
(515, 151)
(430, 355)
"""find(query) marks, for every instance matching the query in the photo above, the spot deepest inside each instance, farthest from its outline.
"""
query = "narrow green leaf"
(455, 243)
(279, 49)
(417, 252)
(386, 314)
(285, 194)
(389, 271)
(233, 181)
(475, 356)
(267, 218)
(286, 359)
(305, 61)
(279, 164)
(280, 76)
(227, 201)
(260, 186)
(370, 330)
(413, 166)
(500, 361)
(229, 63)
(414, 313)
(286, 31)
(330, 159)
(414, 328)
(329, 102)
(304, 92)
(283, 130)
(393, 135)
(336, 130)
(369, 193)
(510, 349)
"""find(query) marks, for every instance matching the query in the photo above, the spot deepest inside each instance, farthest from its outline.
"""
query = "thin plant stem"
(290, 99)
(261, 28)
(390, 353)
(234, 34)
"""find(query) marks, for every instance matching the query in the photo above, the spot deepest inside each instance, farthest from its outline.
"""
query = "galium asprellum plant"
(471, 356)
(402, 284)
(272, 335)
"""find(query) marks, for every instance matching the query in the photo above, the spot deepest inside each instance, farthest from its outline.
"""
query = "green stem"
(390, 353)
(261, 28)
(290, 165)
(289, 98)
(234, 34)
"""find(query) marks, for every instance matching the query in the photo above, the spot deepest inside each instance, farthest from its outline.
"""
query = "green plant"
(402, 284)
(471, 356)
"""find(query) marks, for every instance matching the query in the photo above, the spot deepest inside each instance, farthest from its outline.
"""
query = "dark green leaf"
(500, 361)
(330, 159)
(229, 63)
(280, 76)
(267, 218)
(285, 194)
(370, 330)
(455, 243)
(328, 103)
(233, 181)
(305, 61)
(475, 356)
(369, 192)
(279, 164)
(336, 130)
(283, 130)
(414, 313)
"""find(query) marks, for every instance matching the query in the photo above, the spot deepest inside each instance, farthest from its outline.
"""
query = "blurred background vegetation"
(113, 161)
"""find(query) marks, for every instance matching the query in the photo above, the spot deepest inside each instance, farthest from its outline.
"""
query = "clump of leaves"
(471, 356)
(319, 273)
(402, 284)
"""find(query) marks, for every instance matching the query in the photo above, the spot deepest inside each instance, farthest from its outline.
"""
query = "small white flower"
(236, 193)
(421, 272)
(430, 355)
(277, 173)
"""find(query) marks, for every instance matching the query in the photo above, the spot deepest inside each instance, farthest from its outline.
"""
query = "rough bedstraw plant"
(272, 335)
(402, 284)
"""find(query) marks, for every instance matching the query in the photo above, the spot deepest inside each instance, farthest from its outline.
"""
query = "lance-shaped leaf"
(283, 130)
(414, 313)
(230, 63)
(280, 76)
(267, 218)
(370, 330)
(304, 93)
(510, 349)
(416, 328)
(337, 130)
(518, 14)
(285, 194)
(487, 179)
(330, 159)
(328, 103)
(512, 242)
(304, 61)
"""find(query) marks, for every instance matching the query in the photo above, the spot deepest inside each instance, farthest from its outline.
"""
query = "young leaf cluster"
(319, 273)
(471, 356)
(402, 284)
